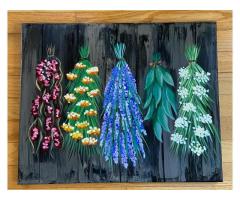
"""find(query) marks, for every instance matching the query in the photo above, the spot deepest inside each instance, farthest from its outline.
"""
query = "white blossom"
(200, 91)
(184, 73)
(197, 148)
(182, 92)
(189, 107)
(178, 138)
(181, 122)
(201, 132)
(205, 119)
(202, 77)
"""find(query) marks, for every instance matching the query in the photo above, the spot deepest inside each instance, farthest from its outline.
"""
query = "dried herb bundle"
(194, 128)
(44, 132)
(122, 128)
(160, 99)
(84, 100)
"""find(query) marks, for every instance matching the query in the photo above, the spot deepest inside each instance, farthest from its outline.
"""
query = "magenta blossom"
(56, 137)
(55, 93)
(34, 133)
(48, 123)
(46, 142)
(57, 113)
(49, 110)
(46, 97)
(35, 106)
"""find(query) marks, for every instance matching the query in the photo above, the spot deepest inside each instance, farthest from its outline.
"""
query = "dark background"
(141, 41)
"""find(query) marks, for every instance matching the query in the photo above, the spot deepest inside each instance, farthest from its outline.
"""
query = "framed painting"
(119, 102)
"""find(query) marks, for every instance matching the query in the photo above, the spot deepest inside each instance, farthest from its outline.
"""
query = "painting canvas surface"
(141, 40)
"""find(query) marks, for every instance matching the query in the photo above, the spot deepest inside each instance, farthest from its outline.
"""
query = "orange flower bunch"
(80, 66)
(81, 89)
(90, 112)
(94, 131)
(91, 141)
(67, 127)
(70, 98)
(83, 103)
(73, 116)
(94, 93)
(87, 80)
(76, 135)
(82, 125)
(71, 76)
(92, 71)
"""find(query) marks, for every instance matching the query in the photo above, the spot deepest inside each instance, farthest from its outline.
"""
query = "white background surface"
(6, 5)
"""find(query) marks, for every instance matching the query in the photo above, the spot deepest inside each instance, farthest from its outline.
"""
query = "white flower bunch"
(184, 73)
(205, 119)
(178, 138)
(181, 122)
(202, 77)
(188, 107)
(182, 92)
(197, 148)
(200, 91)
(201, 132)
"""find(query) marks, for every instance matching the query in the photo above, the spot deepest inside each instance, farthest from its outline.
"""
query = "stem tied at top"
(192, 53)
(84, 52)
(119, 50)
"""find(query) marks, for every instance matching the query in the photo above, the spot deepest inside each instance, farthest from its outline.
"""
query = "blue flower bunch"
(122, 129)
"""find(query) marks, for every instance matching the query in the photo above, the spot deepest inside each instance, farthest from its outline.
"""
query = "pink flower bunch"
(46, 142)
(48, 123)
(35, 106)
(34, 133)
(55, 92)
(56, 137)
(48, 75)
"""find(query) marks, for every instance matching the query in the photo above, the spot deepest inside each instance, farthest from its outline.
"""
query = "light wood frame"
(224, 51)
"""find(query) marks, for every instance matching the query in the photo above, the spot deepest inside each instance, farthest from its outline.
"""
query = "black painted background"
(141, 41)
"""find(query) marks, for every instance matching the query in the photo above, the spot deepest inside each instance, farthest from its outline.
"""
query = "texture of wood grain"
(224, 39)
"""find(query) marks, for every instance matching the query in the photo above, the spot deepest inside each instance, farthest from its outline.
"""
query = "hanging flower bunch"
(122, 128)
(83, 98)
(160, 98)
(44, 132)
(194, 128)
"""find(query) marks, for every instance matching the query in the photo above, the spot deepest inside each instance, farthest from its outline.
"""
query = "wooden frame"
(224, 37)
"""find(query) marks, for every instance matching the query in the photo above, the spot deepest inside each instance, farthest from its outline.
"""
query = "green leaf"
(167, 108)
(167, 77)
(159, 76)
(148, 100)
(157, 93)
(162, 119)
(149, 78)
(149, 112)
(157, 130)
(171, 98)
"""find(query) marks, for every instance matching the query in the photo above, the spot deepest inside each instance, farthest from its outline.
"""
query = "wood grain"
(224, 39)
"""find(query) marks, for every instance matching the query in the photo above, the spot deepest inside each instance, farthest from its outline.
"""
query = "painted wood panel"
(141, 41)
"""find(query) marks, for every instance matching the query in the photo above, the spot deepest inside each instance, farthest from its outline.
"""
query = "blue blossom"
(139, 139)
(117, 130)
(138, 117)
(131, 151)
(124, 159)
(108, 143)
(110, 86)
(105, 123)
